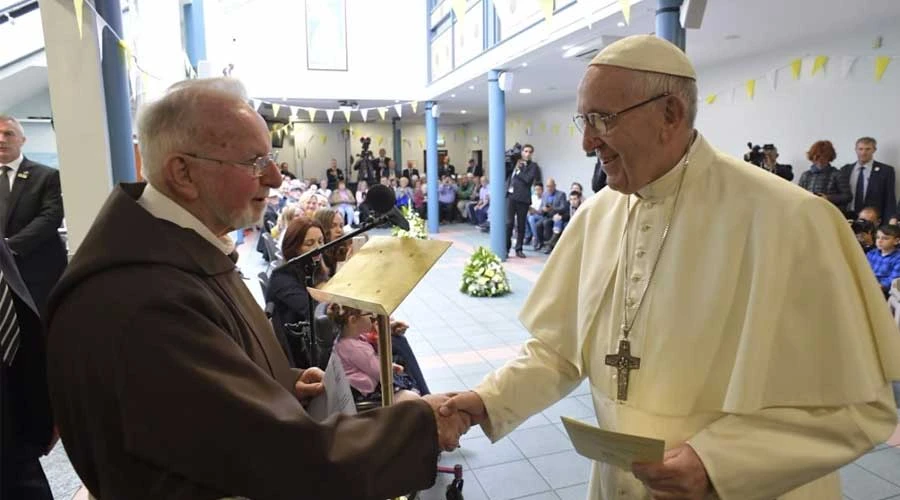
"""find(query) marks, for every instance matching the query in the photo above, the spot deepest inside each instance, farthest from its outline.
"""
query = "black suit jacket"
(33, 218)
(880, 192)
(521, 184)
(25, 416)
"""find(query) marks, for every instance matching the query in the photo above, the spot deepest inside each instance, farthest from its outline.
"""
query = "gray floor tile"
(446, 384)
(536, 420)
(568, 407)
(512, 480)
(479, 452)
(563, 469)
(860, 484)
(583, 388)
(481, 368)
(540, 441)
(474, 432)
(884, 463)
(471, 380)
(577, 492)
(548, 495)
(487, 340)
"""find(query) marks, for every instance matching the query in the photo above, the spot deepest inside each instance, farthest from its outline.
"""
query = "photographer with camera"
(766, 157)
(366, 166)
(525, 173)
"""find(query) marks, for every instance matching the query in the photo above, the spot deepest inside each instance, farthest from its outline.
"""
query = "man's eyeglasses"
(257, 165)
(604, 122)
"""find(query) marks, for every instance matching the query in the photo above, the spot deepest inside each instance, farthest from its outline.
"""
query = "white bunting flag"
(382, 112)
(364, 113)
(295, 110)
(330, 114)
(399, 109)
(414, 105)
(772, 76)
(312, 114)
(847, 65)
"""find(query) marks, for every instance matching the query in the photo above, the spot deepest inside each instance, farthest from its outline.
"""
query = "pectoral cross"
(623, 362)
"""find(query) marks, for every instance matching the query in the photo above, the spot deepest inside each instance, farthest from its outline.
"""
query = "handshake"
(455, 413)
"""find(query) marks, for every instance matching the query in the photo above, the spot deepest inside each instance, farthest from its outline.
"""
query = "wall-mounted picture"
(326, 35)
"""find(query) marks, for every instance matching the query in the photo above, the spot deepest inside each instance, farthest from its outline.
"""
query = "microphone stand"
(307, 328)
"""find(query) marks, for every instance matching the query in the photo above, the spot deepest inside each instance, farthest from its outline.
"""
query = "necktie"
(4, 196)
(9, 323)
(859, 199)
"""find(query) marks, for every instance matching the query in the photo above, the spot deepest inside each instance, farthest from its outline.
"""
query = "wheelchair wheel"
(454, 490)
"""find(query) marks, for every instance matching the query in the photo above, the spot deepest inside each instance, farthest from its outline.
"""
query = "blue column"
(194, 32)
(497, 163)
(431, 166)
(116, 94)
(668, 23)
(398, 139)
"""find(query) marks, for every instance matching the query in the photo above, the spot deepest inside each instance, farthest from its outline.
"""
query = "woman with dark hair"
(287, 286)
(332, 223)
(824, 180)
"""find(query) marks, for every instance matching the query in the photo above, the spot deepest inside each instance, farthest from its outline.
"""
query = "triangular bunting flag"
(847, 65)
(881, 64)
(547, 9)
(364, 113)
(382, 112)
(380, 140)
(398, 108)
(571, 130)
(626, 10)
(751, 88)
(459, 9)
(711, 98)
(421, 143)
(555, 129)
(100, 24)
(330, 114)
(79, 16)
(796, 66)
(414, 105)
(255, 104)
(346, 114)
(325, 137)
(275, 109)
(772, 76)
(819, 64)
(295, 110)
(543, 126)
(733, 94)
(312, 114)
(126, 53)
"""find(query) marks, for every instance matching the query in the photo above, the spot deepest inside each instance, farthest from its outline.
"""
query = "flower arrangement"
(416, 225)
(483, 275)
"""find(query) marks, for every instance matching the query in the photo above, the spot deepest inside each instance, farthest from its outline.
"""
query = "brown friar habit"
(167, 381)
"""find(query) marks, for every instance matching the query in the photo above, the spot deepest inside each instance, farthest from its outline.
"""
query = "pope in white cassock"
(709, 303)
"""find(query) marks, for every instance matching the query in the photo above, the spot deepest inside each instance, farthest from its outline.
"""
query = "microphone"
(383, 201)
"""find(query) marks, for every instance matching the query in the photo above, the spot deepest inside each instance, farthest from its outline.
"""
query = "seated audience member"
(410, 171)
(308, 203)
(286, 172)
(865, 234)
(770, 163)
(560, 221)
(419, 199)
(576, 186)
(479, 214)
(885, 259)
(333, 226)
(466, 186)
(333, 175)
(403, 193)
(473, 198)
(287, 215)
(343, 200)
(870, 214)
(535, 212)
(360, 360)
(447, 199)
(362, 190)
(385, 181)
(474, 168)
(270, 220)
(553, 202)
(296, 189)
(392, 182)
(287, 286)
(824, 180)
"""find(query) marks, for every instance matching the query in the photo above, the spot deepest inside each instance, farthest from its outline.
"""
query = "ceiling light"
(572, 52)
(524, 91)
(452, 95)
(524, 64)
(621, 24)
(471, 87)
(462, 111)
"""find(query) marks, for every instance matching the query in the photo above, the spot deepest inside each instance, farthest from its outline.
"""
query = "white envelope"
(613, 448)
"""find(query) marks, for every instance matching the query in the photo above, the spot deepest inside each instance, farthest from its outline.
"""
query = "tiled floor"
(458, 339)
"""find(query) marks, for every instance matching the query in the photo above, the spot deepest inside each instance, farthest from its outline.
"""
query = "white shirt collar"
(162, 207)
(867, 165)
(15, 164)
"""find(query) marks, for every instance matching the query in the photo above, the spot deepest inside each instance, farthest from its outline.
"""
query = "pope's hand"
(310, 384)
(468, 402)
(449, 427)
(680, 476)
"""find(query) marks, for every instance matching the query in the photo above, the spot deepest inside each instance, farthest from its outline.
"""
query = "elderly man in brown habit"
(166, 378)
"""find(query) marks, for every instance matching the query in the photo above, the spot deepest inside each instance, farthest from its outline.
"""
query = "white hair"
(173, 122)
(653, 84)
(12, 119)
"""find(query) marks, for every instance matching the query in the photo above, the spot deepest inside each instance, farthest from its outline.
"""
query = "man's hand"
(557, 217)
(398, 327)
(450, 427)
(468, 402)
(680, 476)
(310, 384)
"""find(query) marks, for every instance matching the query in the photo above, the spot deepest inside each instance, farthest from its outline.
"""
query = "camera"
(513, 155)
(366, 142)
(757, 154)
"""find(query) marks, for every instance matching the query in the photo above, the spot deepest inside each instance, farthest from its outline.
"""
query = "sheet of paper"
(338, 397)
(613, 448)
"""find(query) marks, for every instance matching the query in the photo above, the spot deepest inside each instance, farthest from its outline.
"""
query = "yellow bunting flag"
(380, 140)
(555, 129)
(79, 16)
(543, 126)
(126, 53)
(751, 88)
(796, 66)
(881, 64)
(275, 109)
(382, 112)
(528, 124)
(626, 10)
(421, 143)
(547, 9)
(819, 64)
(324, 139)
(459, 8)
(711, 98)
(571, 130)
(346, 114)
(312, 114)
(414, 105)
